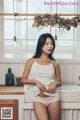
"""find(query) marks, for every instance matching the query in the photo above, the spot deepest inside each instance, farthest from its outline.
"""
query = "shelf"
(11, 90)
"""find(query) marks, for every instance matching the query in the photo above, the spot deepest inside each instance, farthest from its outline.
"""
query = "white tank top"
(43, 73)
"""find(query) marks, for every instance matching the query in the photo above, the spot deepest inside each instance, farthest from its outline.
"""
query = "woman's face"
(48, 46)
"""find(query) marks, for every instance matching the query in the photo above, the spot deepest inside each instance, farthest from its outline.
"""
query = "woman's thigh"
(40, 111)
(54, 111)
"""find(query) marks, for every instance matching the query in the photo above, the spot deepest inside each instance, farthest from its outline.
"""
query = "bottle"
(9, 78)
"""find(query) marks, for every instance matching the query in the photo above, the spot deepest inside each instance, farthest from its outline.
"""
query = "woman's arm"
(26, 71)
(52, 87)
(57, 74)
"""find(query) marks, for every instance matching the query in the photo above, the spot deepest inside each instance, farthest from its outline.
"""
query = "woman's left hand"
(52, 87)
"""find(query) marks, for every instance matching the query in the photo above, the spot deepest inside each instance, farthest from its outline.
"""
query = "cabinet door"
(9, 109)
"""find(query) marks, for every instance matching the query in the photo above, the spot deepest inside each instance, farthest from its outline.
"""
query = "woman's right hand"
(41, 86)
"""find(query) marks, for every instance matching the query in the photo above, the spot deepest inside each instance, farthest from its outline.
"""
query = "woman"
(44, 73)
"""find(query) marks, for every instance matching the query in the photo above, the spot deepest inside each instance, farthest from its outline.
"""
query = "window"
(67, 44)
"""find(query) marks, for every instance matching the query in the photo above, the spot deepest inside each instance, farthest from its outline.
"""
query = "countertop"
(20, 89)
(11, 90)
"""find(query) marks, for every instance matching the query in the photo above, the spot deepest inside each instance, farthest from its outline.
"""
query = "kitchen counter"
(11, 90)
(12, 98)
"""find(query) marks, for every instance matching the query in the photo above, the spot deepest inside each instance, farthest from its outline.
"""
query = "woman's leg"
(54, 111)
(40, 111)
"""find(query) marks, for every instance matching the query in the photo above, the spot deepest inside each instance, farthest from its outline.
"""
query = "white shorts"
(47, 100)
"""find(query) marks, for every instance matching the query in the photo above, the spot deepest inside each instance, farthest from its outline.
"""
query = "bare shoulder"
(55, 64)
(30, 61)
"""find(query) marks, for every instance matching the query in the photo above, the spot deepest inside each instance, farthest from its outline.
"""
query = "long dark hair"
(41, 42)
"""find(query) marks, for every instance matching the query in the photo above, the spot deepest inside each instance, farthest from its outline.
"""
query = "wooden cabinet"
(9, 109)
